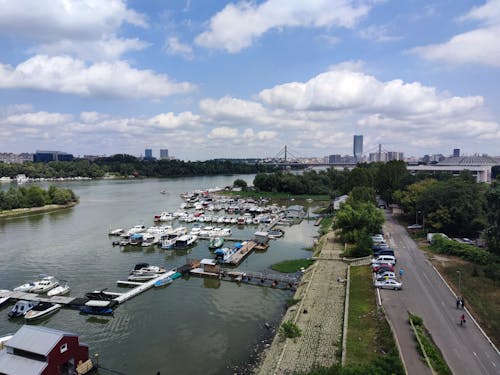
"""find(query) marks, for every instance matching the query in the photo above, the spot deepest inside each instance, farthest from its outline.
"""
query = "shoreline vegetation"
(33, 199)
(35, 210)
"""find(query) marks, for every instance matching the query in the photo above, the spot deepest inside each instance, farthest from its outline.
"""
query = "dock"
(241, 254)
(36, 297)
(140, 287)
(226, 239)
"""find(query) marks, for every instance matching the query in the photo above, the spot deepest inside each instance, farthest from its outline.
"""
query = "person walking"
(401, 273)
(462, 302)
(459, 302)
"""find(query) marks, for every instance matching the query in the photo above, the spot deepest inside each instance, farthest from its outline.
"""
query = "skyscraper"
(163, 154)
(358, 148)
(456, 152)
(148, 153)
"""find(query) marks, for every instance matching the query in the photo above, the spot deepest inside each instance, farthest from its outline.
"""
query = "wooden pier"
(140, 287)
(241, 254)
(36, 297)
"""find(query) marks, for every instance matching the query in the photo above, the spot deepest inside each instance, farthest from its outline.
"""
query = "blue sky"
(209, 79)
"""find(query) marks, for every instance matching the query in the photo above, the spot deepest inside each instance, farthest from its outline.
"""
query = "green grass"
(433, 353)
(290, 266)
(362, 316)
(326, 225)
(290, 330)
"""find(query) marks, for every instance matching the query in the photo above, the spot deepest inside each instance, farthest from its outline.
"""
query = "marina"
(73, 245)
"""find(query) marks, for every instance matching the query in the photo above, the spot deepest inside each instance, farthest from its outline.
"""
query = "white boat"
(26, 287)
(135, 229)
(21, 308)
(149, 269)
(41, 310)
(46, 284)
(142, 276)
(166, 216)
(4, 299)
(163, 282)
(168, 240)
(115, 232)
(149, 239)
(183, 242)
(60, 290)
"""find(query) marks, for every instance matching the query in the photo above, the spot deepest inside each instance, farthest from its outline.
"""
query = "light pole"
(459, 282)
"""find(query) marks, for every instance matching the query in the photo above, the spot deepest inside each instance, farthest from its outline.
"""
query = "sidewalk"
(319, 315)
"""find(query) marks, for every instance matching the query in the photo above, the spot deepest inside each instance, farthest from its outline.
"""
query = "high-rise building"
(358, 148)
(335, 159)
(148, 153)
(456, 152)
(46, 156)
(163, 154)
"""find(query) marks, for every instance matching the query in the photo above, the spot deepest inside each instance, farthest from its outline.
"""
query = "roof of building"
(36, 339)
(470, 161)
(295, 208)
(14, 364)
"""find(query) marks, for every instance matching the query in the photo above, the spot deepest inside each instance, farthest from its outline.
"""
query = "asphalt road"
(424, 293)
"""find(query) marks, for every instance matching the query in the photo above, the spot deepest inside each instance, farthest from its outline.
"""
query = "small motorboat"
(44, 285)
(4, 299)
(61, 290)
(142, 276)
(216, 242)
(115, 232)
(26, 287)
(275, 233)
(100, 295)
(41, 310)
(163, 282)
(96, 308)
(21, 308)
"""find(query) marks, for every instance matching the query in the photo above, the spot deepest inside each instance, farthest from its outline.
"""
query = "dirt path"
(319, 315)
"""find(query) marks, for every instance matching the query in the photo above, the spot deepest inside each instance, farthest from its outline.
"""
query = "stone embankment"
(319, 315)
(35, 210)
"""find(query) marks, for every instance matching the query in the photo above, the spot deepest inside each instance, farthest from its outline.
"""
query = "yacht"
(46, 284)
(26, 287)
(134, 229)
(60, 290)
(185, 241)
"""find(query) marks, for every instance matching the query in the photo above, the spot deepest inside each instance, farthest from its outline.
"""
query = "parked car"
(383, 267)
(384, 259)
(380, 246)
(414, 226)
(467, 241)
(385, 274)
(387, 251)
(388, 284)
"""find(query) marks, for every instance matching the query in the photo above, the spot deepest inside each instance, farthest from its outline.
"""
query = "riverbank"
(35, 210)
(319, 315)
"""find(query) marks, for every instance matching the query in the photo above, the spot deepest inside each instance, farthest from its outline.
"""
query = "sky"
(221, 79)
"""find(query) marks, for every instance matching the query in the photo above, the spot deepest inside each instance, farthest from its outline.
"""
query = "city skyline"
(95, 78)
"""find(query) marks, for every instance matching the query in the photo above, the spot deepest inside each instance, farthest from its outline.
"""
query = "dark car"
(380, 247)
(383, 267)
(387, 251)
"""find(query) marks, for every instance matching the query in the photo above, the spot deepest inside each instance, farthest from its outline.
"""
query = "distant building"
(46, 156)
(148, 153)
(358, 148)
(394, 155)
(335, 159)
(456, 152)
(9, 157)
(163, 154)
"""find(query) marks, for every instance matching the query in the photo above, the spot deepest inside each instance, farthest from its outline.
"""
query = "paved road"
(465, 349)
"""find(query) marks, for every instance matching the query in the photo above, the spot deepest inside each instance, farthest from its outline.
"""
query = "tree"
(353, 221)
(240, 183)
(409, 197)
(492, 232)
(363, 194)
(390, 177)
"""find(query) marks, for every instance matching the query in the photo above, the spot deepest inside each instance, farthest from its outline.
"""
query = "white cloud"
(107, 48)
(66, 19)
(231, 108)
(174, 47)
(477, 46)
(238, 25)
(223, 132)
(266, 135)
(378, 33)
(37, 119)
(172, 121)
(72, 76)
(356, 91)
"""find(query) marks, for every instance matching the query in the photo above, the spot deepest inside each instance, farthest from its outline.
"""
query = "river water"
(193, 326)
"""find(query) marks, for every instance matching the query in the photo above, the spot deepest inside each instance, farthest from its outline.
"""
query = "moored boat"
(21, 308)
(41, 310)
(60, 290)
(216, 242)
(163, 282)
(47, 283)
(26, 287)
(183, 242)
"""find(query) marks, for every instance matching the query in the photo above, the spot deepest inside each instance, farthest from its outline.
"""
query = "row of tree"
(35, 196)
(125, 165)
(457, 206)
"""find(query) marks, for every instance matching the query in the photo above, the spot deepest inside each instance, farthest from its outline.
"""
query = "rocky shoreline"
(35, 210)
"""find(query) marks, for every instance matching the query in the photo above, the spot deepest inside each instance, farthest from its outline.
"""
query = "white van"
(389, 259)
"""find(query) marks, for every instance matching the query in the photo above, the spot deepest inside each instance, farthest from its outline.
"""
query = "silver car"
(388, 284)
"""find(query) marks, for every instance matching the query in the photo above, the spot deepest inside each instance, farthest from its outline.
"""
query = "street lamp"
(459, 282)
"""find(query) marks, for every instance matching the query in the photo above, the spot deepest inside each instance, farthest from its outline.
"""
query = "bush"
(492, 271)
(473, 254)
(290, 330)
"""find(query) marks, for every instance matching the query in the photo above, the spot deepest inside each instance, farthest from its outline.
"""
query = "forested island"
(34, 197)
(127, 165)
